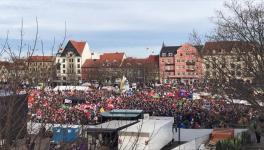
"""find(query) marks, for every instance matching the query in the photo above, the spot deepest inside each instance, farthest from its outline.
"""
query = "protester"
(206, 112)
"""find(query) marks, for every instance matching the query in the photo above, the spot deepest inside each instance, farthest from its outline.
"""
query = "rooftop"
(111, 125)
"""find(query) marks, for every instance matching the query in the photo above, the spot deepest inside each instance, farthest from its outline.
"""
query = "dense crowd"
(84, 107)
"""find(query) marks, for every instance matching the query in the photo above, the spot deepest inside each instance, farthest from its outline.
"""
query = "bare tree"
(195, 38)
(237, 64)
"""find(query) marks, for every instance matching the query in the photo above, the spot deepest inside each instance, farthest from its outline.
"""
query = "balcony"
(190, 69)
(190, 63)
(169, 70)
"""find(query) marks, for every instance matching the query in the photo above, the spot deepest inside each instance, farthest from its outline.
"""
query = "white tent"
(108, 88)
(86, 84)
(79, 88)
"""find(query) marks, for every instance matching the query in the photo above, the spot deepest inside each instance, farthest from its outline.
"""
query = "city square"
(204, 93)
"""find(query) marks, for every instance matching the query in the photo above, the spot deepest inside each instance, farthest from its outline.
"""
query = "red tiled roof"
(112, 57)
(90, 63)
(133, 62)
(79, 46)
(41, 58)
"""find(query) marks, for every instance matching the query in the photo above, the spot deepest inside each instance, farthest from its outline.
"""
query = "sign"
(68, 101)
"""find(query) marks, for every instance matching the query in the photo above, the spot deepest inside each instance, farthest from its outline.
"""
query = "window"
(170, 54)
(182, 60)
(223, 65)
(78, 65)
(180, 54)
(178, 60)
(78, 71)
(232, 66)
(163, 54)
(214, 59)
(238, 66)
(214, 73)
(238, 73)
(63, 66)
(78, 60)
(214, 65)
(63, 60)
(63, 78)
(207, 66)
(64, 71)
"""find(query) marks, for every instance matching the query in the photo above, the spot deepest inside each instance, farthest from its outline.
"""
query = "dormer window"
(163, 54)
(170, 54)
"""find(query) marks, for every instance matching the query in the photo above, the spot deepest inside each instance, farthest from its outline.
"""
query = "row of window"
(181, 73)
(71, 66)
(232, 73)
(165, 54)
(64, 78)
(232, 66)
(70, 60)
(71, 71)
(42, 68)
(40, 63)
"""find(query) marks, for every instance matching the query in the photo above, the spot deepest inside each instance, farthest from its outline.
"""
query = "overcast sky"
(128, 26)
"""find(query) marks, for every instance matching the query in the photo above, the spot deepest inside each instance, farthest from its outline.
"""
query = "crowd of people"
(84, 107)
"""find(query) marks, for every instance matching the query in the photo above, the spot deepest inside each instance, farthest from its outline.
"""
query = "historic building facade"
(105, 69)
(41, 68)
(180, 64)
(223, 60)
(167, 63)
(70, 60)
(112, 66)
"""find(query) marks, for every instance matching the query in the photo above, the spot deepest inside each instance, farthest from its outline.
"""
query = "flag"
(122, 83)
(102, 110)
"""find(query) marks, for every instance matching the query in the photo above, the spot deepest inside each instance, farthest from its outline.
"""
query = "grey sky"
(130, 26)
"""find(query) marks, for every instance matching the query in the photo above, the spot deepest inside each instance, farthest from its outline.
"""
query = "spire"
(163, 44)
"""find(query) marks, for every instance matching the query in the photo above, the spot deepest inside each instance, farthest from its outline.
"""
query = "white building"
(70, 60)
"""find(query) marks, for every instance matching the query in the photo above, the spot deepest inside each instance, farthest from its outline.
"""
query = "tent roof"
(122, 113)
(111, 126)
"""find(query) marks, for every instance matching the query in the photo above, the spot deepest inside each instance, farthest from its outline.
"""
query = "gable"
(73, 47)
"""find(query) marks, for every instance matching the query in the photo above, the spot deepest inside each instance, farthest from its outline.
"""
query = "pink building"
(181, 64)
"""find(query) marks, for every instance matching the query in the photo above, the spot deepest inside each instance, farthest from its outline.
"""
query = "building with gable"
(180, 64)
(70, 60)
